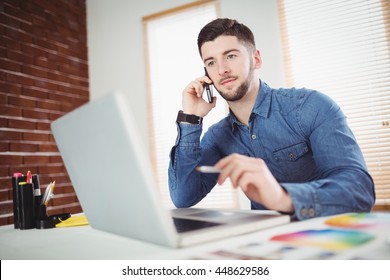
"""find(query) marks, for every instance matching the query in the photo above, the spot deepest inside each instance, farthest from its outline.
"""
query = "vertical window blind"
(173, 62)
(342, 48)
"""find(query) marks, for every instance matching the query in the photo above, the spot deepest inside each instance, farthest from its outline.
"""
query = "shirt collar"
(261, 108)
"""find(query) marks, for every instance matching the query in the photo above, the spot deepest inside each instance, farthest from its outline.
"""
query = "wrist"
(188, 118)
(285, 203)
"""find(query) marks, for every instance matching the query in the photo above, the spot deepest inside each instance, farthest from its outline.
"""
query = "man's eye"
(210, 63)
(231, 56)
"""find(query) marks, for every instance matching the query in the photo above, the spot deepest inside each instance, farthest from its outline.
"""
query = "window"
(173, 62)
(342, 49)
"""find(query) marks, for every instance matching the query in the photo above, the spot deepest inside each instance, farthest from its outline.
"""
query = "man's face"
(230, 66)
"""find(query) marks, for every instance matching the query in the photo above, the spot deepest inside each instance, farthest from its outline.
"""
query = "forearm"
(187, 186)
(345, 190)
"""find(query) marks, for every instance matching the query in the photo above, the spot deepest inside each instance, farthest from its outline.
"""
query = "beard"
(241, 91)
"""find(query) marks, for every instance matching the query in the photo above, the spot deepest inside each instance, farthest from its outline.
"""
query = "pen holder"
(26, 206)
(43, 221)
(29, 211)
(15, 196)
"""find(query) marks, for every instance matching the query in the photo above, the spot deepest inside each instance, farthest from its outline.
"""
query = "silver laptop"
(112, 176)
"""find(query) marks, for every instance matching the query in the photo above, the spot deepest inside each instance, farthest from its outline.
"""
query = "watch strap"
(192, 119)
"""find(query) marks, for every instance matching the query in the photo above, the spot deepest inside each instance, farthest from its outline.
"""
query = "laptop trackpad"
(213, 216)
(184, 225)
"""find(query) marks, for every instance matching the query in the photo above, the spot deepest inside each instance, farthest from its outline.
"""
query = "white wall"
(116, 45)
(261, 16)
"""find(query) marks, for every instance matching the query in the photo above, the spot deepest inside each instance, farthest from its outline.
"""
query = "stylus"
(208, 169)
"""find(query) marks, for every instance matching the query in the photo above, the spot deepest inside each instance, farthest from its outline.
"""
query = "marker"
(208, 169)
(29, 177)
(17, 175)
(35, 181)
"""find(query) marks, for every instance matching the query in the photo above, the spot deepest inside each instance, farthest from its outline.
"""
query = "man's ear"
(257, 59)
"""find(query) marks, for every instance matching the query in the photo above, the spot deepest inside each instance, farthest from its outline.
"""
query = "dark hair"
(227, 27)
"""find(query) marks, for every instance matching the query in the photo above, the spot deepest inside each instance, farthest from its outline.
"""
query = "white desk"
(85, 242)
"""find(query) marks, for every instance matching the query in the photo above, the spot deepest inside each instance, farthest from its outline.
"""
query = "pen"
(45, 195)
(208, 169)
(51, 193)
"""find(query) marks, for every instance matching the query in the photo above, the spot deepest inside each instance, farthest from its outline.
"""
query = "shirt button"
(254, 136)
(303, 212)
(311, 212)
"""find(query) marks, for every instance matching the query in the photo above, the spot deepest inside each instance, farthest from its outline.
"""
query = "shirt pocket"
(296, 162)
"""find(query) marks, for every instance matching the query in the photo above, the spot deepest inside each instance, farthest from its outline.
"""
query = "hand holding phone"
(209, 89)
(193, 101)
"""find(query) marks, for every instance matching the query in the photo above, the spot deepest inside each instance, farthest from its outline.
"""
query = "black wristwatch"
(192, 119)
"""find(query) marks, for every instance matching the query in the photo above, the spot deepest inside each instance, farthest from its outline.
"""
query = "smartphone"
(209, 89)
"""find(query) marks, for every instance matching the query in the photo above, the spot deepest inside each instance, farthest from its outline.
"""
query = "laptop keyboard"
(184, 225)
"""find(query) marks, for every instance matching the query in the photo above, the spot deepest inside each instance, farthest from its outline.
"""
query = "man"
(289, 150)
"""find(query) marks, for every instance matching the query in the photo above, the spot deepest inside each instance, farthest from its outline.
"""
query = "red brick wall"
(43, 75)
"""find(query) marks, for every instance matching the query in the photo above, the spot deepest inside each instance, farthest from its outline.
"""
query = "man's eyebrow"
(224, 53)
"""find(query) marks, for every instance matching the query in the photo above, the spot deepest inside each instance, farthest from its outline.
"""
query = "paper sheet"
(73, 221)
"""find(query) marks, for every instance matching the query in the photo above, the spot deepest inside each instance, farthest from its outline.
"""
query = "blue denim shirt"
(303, 137)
